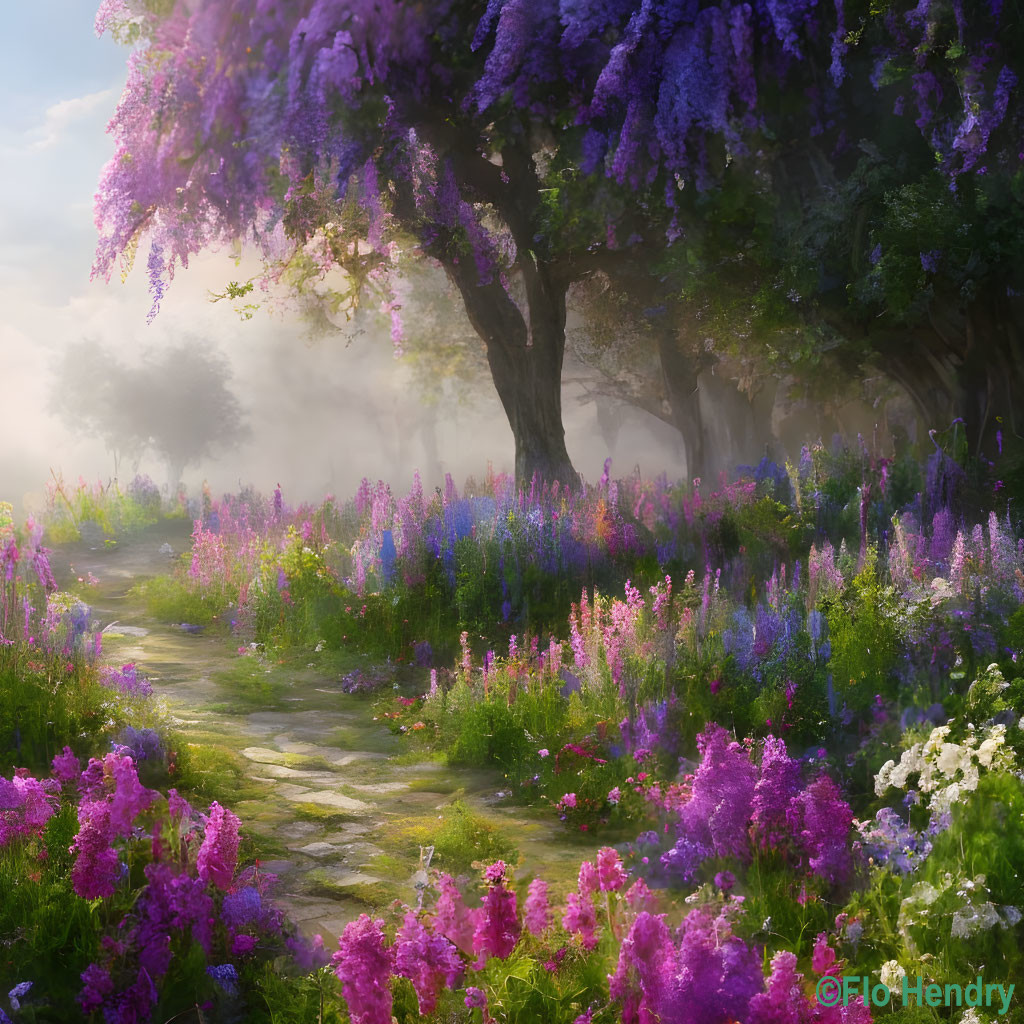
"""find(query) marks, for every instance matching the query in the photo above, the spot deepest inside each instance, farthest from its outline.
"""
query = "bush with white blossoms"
(963, 901)
(946, 770)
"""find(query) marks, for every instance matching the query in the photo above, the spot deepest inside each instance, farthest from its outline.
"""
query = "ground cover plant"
(783, 777)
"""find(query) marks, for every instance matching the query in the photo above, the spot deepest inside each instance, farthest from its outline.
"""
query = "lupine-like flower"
(363, 964)
(96, 867)
(66, 767)
(452, 918)
(580, 918)
(218, 856)
(611, 873)
(497, 926)
(538, 911)
(821, 820)
(647, 961)
(428, 960)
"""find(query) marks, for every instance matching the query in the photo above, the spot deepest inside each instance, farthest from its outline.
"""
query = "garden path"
(334, 798)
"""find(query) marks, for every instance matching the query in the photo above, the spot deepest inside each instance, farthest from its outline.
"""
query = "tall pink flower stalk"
(218, 856)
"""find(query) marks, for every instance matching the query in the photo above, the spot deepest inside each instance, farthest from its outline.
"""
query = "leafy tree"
(176, 404)
(522, 144)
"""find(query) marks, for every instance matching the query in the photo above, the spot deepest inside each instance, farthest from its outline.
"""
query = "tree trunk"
(680, 371)
(525, 357)
(963, 366)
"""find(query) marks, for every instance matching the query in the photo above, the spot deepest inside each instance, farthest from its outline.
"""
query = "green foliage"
(40, 713)
(465, 838)
(865, 640)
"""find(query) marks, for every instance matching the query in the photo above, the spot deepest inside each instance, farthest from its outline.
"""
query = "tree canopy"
(524, 144)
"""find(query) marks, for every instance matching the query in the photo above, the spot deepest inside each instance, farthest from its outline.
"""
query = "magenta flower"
(588, 881)
(452, 918)
(363, 965)
(476, 998)
(495, 872)
(66, 767)
(614, 796)
(428, 960)
(580, 920)
(538, 911)
(218, 856)
(497, 926)
(96, 867)
(610, 871)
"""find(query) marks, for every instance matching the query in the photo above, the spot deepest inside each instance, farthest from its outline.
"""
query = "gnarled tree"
(522, 144)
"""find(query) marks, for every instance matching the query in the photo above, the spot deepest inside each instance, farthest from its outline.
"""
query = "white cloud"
(62, 115)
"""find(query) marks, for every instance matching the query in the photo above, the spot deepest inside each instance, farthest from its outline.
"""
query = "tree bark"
(525, 355)
(680, 371)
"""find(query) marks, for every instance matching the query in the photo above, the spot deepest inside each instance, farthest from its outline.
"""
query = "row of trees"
(809, 187)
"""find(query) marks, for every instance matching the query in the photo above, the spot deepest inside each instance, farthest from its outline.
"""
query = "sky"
(321, 415)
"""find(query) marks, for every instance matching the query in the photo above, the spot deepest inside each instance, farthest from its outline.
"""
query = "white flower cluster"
(968, 907)
(946, 770)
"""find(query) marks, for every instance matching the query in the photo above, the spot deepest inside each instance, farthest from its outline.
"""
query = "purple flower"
(363, 965)
(428, 960)
(476, 998)
(218, 856)
(538, 911)
(497, 926)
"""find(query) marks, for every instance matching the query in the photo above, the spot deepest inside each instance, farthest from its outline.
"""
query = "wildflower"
(218, 855)
(538, 911)
(475, 998)
(428, 960)
(452, 918)
(580, 919)
(96, 867)
(226, 977)
(892, 974)
(588, 881)
(363, 965)
(543, 752)
(497, 926)
(18, 993)
(614, 796)
(610, 870)
(97, 986)
(725, 880)
(823, 957)
(495, 872)
(66, 767)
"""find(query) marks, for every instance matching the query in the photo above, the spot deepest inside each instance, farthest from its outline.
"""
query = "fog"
(318, 414)
(314, 415)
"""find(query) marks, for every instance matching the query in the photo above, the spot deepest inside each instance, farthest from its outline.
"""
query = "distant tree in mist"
(176, 405)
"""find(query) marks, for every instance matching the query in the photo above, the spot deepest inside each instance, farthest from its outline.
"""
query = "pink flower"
(543, 752)
(538, 912)
(242, 944)
(610, 871)
(823, 958)
(452, 918)
(567, 803)
(614, 796)
(218, 856)
(66, 767)
(588, 881)
(428, 960)
(96, 866)
(363, 965)
(497, 926)
(495, 872)
(580, 919)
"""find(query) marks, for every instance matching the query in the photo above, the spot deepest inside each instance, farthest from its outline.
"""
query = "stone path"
(324, 785)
